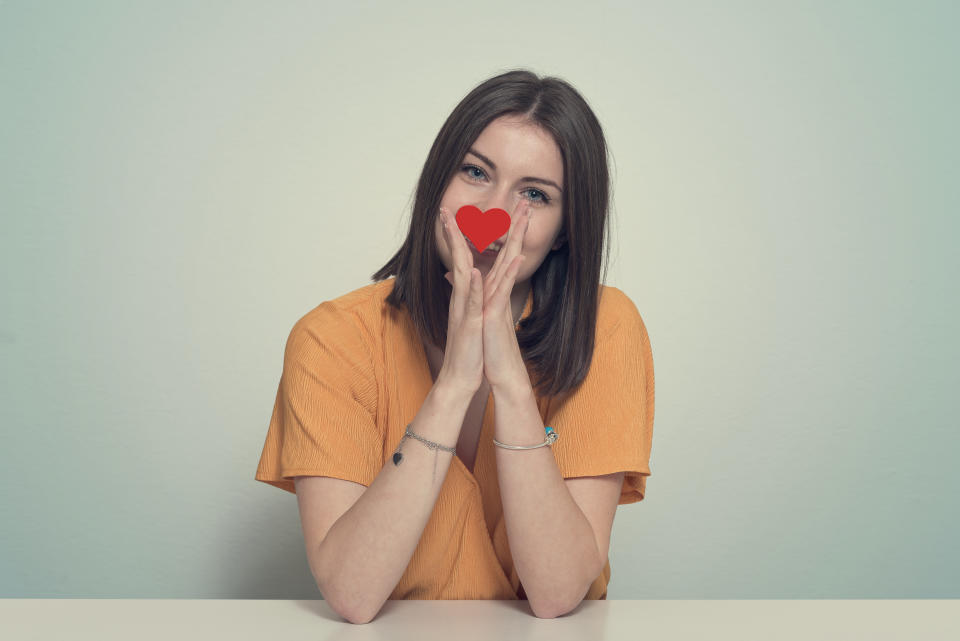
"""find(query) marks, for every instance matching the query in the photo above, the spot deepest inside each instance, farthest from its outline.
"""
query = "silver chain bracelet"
(398, 455)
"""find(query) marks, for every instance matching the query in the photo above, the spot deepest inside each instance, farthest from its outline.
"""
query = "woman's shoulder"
(615, 307)
(355, 314)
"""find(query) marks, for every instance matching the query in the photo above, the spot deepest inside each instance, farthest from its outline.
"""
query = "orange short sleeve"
(324, 416)
(606, 424)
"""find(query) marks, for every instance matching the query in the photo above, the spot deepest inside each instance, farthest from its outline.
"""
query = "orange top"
(355, 375)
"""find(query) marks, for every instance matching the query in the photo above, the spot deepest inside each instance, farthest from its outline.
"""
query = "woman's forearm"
(367, 550)
(552, 543)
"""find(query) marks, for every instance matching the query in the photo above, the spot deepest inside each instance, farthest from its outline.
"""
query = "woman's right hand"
(463, 356)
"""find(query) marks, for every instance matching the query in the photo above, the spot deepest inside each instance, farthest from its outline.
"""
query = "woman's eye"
(543, 197)
(540, 197)
(467, 169)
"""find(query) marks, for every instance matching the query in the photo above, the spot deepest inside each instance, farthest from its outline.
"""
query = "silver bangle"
(552, 436)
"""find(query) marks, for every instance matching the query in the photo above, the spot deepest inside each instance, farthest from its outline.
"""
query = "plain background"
(180, 182)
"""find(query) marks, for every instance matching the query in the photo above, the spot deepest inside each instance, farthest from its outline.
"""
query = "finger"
(460, 240)
(511, 247)
(509, 279)
(453, 310)
(475, 309)
(460, 269)
(514, 240)
(458, 245)
(501, 255)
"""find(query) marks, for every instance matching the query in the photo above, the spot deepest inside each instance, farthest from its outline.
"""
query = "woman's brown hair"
(557, 338)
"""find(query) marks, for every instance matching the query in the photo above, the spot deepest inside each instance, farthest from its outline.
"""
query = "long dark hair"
(557, 338)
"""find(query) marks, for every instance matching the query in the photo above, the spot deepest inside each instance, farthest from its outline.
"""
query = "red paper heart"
(482, 227)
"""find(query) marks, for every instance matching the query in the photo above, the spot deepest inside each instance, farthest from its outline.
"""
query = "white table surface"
(282, 620)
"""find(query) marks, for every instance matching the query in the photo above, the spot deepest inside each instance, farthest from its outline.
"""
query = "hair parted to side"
(557, 338)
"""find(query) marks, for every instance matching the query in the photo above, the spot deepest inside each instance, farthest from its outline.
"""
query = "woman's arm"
(365, 553)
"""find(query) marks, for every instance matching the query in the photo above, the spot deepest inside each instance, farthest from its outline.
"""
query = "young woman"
(465, 426)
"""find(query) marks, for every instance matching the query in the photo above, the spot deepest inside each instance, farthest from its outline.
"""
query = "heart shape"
(482, 227)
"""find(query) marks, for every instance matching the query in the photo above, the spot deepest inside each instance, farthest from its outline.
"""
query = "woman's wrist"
(452, 391)
(514, 393)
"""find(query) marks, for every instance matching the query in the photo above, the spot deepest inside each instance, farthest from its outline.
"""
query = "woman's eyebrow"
(533, 179)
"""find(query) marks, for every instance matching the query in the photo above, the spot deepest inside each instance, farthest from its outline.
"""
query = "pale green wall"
(181, 181)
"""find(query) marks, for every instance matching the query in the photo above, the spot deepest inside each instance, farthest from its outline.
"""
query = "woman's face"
(509, 161)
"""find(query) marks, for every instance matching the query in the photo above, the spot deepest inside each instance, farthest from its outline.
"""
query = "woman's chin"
(484, 259)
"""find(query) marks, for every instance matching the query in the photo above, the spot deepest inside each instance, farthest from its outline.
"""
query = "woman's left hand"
(503, 365)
